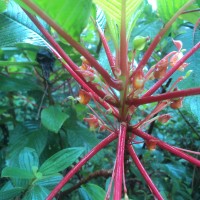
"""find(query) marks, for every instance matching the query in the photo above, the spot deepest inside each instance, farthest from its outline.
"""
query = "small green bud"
(139, 42)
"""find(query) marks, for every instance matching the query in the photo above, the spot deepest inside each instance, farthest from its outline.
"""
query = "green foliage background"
(42, 133)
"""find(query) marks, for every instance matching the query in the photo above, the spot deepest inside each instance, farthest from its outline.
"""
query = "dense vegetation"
(50, 117)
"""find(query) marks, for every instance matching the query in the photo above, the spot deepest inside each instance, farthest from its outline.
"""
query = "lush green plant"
(129, 102)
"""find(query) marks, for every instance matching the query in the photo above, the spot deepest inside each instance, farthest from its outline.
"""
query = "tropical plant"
(124, 56)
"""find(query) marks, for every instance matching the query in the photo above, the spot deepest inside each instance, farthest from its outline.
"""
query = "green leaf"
(112, 10)
(94, 191)
(15, 172)
(49, 181)
(72, 16)
(167, 9)
(9, 84)
(60, 161)
(53, 118)
(18, 27)
(28, 159)
(175, 171)
(10, 194)
(3, 5)
(36, 193)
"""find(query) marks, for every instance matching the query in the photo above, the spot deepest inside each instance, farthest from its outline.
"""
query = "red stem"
(112, 82)
(72, 68)
(165, 96)
(78, 166)
(120, 162)
(159, 36)
(145, 175)
(107, 48)
(167, 147)
(171, 71)
(61, 51)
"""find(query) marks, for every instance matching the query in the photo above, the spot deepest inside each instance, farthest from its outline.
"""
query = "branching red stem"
(120, 162)
(78, 166)
(165, 96)
(112, 82)
(72, 68)
(172, 70)
(145, 175)
(159, 36)
(167, 147)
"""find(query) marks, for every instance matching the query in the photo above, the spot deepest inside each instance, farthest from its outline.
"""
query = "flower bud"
(139, 42)
(84, 97)
(160, 69)
(138, 80)
(164, 118)
(92, 121)
(176, 103)
(151, 144)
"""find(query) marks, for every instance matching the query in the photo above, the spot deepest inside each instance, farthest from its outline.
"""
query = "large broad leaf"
(49, 181)
(167, 9)
(72, 16)
(94, 191)
(15, 172)
(9, 84)
(28, 159)
(35, 139)
(36, 192)
(60, 161)
(3, 5)
(113, 12)
(10, 194)
(53, 118)
(17, 27)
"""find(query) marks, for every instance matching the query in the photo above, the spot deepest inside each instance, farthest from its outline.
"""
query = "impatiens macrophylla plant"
(114, 96)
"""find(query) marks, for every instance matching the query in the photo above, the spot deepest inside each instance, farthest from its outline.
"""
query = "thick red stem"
(72, 69)
(172, 70)
(78, 166)
(120, 162)
(112, 82)
(165, 96)
(145, 175)
(167, 147)
(61, 52)
(159, 36)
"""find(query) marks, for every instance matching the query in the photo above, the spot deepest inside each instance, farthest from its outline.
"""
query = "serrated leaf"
(94, 191)
(53, 118)
(10, 194)
(18, 27)
(72, 16)
(28, 159)
(15, 172)
(36, 193)
(49, 181)
(60, 161)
